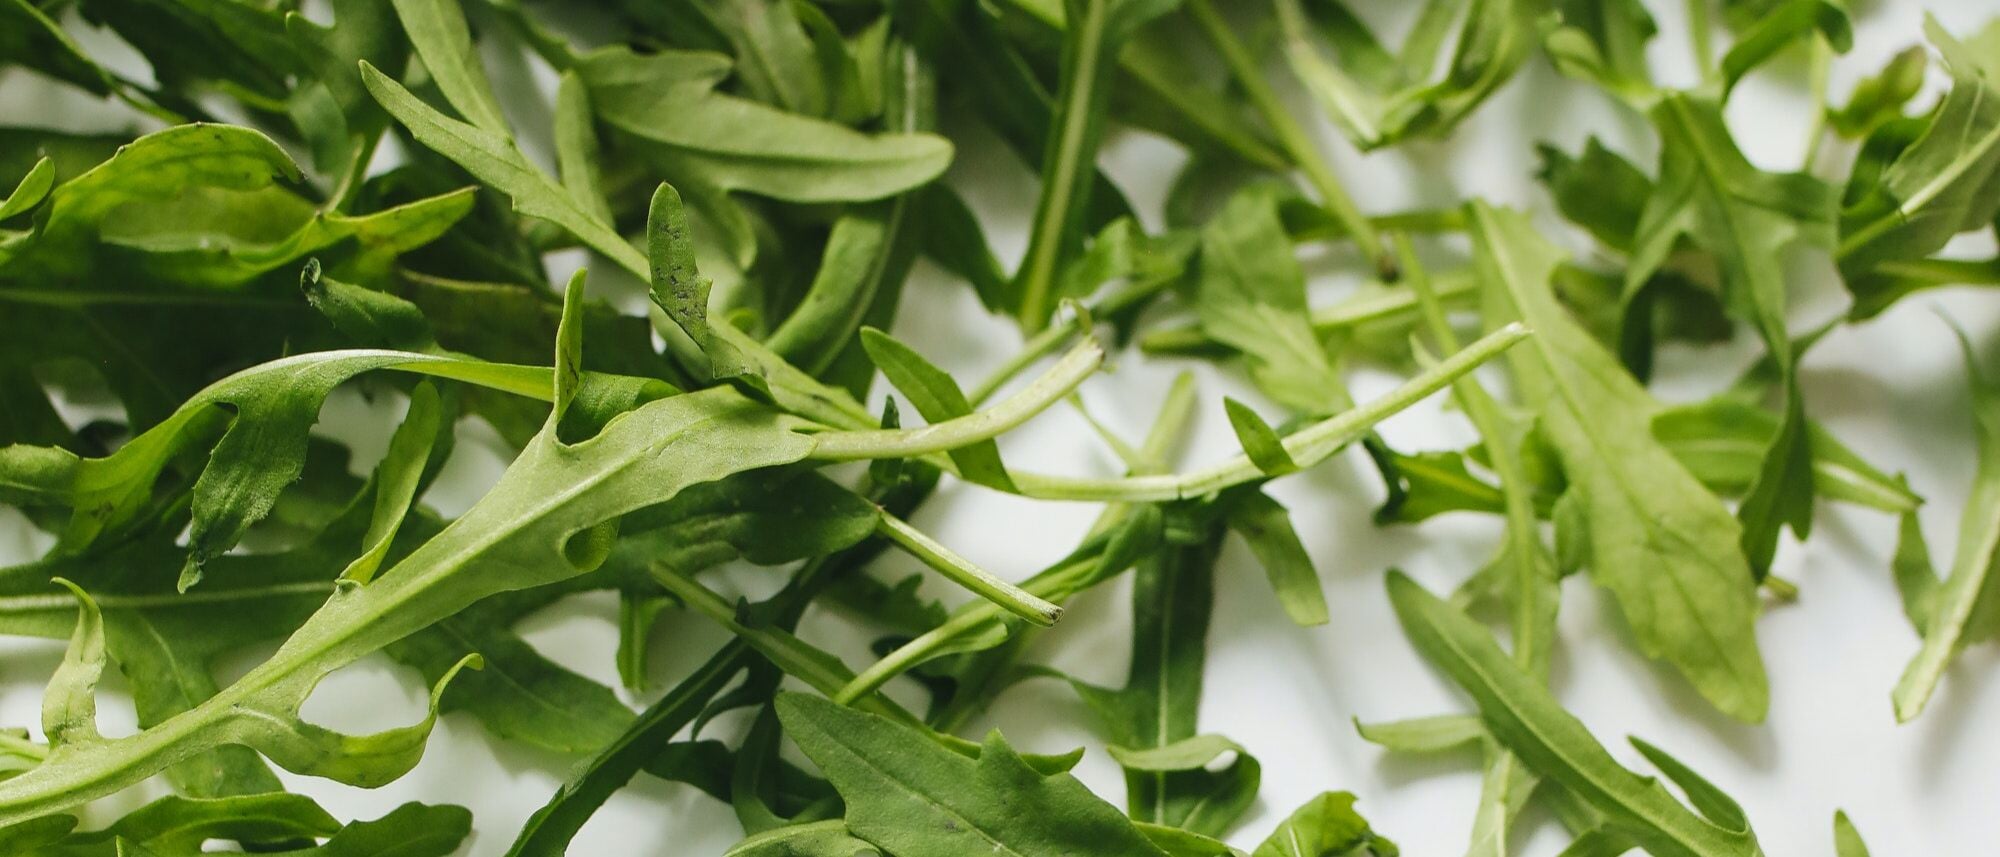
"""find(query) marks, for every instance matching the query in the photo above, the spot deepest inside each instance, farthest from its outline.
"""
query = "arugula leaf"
(1379, 100)
(913, 798)
(519, 535)
(1785, 23)
(1250, 295)
(1605, 43)
(1722, 442)
(1095, 36)
(666, 105)
(201, 205)
(1937, 185)
(1664, 546)
(175, 825)
(1880, 98)
(1846, 840)
(1961, 610)
(1745, 218)
(813, 839)
(492, 156)
(1522, 715)
(1151, 721)
(937, 396)
(1326, 824)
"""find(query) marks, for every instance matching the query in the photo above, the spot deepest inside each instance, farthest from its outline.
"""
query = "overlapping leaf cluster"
(365, 194)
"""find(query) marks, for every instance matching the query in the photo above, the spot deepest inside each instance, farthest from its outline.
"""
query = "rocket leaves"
(1664, 546)
(326, 210)
(911, 797)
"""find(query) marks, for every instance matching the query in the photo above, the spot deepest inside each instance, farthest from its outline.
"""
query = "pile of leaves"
(336, 195)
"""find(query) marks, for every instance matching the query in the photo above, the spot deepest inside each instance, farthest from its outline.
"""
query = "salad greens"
(373, 197)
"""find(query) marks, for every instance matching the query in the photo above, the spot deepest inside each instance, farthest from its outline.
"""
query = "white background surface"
(1892, 388)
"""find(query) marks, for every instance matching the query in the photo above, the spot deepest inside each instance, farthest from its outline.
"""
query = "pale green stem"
(1700, 31)
(1048, 339)
(1248, 74)
(1822, 65)
(1167, 430)
(1523, 528)
(926, 645)
(1380, 306)
(17, 746)
(1072, 155)
(963, 572)
(1307, 446)
(986, 424)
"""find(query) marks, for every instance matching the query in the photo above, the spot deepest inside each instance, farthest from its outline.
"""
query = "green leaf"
(549, 830)
(177, 825)
(1325, 824)
(1393, 100)
(1605, 43)
(398, 476)
(1250, 296)
(261, 448)
(678, 288)
(814, 839)
(1522, 715)
(442, 40)
(1424, 734)
(1722, 442)
(1962, 610)
(491, 156)
(1916, 577)
(1598, 190)
(1942, 183)
(1846, 840)
(1664, 546)
(165, 645)
(665, 104)
(33, 187)
(937, 396)
(1779, 27)
(33, 40)
(237, 48)
(913, 798)
(522, 530)
(1439, 482)
(1746, 218)
(205, 206)
(1259, 442)
(867, 256)
(1151, 722)
(1095, 35)
(1266, 527)
(1880, 97)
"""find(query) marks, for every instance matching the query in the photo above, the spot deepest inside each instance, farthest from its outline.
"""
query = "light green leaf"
(1746, 219)
(1664, 546)
(1433, 734)
(1779, 27)
(666, 103)
(1325, 824)
(814, 839)
(398, 476)
(1846, 840)
(1522, 715)
(492, 157)
(937, 396)
(1963, 609)
(1259, 441)
(1266, 526)
(439, 33)
(1944, 182)
(913, 798)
